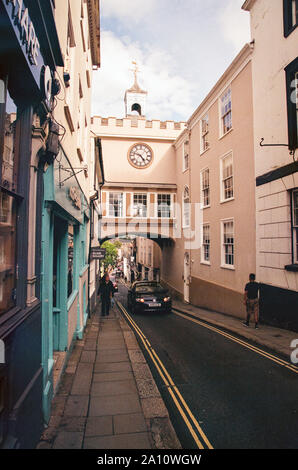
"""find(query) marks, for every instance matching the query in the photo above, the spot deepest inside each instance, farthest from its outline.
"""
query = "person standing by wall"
(106, 292)
(251, 300)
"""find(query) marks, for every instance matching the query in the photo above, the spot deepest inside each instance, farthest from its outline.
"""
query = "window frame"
(123, 212)
(228, 89)
(288, 17)
(224, 265)
(188, 212)
(185, 156)
(19, 192)
(223, 199)
(202, 136)
(133, 206)
(203, 258)
(292, 114)
(170, 206)
(294, 228)
(202, 188)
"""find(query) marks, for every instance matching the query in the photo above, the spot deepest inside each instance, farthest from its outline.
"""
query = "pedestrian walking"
(132, 276)
(251, 300)
(106, 292)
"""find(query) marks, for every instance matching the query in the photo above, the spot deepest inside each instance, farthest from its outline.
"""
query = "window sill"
(71, 299)
(204, 151)
(185, 170)
(84, 269)
(206, 207)
(226, 266)
(224, 135)
(292, 268)
(227, 200)
(206, 263)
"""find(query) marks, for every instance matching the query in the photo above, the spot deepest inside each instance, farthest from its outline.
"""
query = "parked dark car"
(148, 296)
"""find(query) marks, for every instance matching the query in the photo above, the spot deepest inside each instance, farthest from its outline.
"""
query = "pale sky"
(182, 47)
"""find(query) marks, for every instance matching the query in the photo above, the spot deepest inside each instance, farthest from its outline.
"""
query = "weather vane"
(135, 69)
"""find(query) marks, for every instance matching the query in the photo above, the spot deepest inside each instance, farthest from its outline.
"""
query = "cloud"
(134, 10)
(235, 24)
(181, 47)
(170, 96)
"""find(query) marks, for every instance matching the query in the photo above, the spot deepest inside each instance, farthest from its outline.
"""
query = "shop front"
(28, 59)
(65, 268)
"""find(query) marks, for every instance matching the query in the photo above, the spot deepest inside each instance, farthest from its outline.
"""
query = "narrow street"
(239, 398)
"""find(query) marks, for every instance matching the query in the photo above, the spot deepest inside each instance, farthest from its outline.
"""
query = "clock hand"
(139, 155)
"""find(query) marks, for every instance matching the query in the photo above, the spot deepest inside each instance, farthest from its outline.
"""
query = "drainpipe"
(190, 197)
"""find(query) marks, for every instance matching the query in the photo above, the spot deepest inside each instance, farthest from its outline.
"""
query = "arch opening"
(136, 108)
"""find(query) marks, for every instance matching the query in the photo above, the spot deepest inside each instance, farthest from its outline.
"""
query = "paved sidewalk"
(107, 398)
(273, 338)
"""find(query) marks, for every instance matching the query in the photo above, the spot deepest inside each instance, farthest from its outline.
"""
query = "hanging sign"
(98, 253)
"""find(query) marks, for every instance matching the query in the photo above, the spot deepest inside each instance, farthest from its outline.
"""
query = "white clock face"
(140, 156)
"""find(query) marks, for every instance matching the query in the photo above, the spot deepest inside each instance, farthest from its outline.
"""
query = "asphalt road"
(240, 399)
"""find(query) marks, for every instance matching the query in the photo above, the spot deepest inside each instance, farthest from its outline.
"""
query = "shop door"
(60, 283)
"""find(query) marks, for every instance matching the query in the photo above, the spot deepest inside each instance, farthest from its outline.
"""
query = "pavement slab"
(82, 381)
(131, 423)
(111, 376)
(121, 441)
(69, 440)
(124, 366)
(99, 426)
(114, 388)
(122, 404)
(77, 405)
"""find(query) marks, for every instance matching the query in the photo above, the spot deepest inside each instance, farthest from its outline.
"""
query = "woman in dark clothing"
(106, 292)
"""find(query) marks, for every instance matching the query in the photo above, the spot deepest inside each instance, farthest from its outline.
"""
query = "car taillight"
(167, 299)
(140, 300)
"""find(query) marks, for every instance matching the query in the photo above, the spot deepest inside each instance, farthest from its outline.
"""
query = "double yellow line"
(255, 349)
(192, 424)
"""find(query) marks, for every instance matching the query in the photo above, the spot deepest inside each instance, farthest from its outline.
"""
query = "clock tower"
(135, 98)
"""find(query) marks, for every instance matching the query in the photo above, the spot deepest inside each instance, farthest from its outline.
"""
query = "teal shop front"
(64, 284)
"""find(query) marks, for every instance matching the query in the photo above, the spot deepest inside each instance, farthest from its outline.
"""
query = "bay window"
(8, 203)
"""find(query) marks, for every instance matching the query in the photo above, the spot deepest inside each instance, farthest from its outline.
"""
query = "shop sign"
(98, 253)
(27, 37)
(68, 193)
(75, 196)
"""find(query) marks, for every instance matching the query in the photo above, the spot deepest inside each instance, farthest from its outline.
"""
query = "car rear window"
(149, 288)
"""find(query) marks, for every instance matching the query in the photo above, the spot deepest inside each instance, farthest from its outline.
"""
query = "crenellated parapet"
(135, 124)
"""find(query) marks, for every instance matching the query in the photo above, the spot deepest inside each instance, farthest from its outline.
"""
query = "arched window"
(186, 207)
(136, 107)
